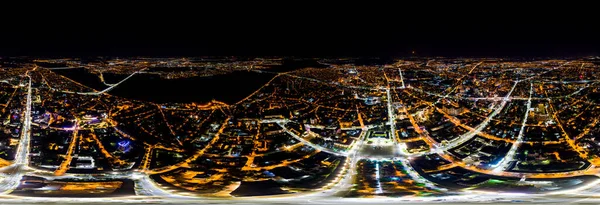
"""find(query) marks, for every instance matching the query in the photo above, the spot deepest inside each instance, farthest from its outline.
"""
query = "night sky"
(283, 32)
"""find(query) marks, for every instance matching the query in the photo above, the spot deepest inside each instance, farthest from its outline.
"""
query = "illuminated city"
(295, 103)
(299, 130)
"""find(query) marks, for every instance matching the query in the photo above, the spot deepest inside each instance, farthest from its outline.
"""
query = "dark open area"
(82, 76)
(361, 30)
(258, 188)
(224, 88)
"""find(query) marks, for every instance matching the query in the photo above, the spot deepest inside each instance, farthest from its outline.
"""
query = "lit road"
(111, 87)
(404, 159)
(345, 184)
(415, 175)
(455, 87)
(145, 186)
(23, 149)
(101, 76)
(63, 68)
(503, 165)
(469, 135)
(14, 173)
(306, 142)
(477, 197)
(391, 115)
(401, 77)
(11, 182)
(149, 191)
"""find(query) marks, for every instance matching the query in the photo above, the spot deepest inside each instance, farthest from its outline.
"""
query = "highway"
(469, 135)
(20, 164)
(112, 86)
(391, 115)
(401, 78)
(23, 149)
(503, 165)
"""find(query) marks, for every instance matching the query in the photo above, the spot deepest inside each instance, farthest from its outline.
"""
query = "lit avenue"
(299, 130)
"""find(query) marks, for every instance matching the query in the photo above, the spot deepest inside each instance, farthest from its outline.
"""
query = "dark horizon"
(518, 51)
(320, 34)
